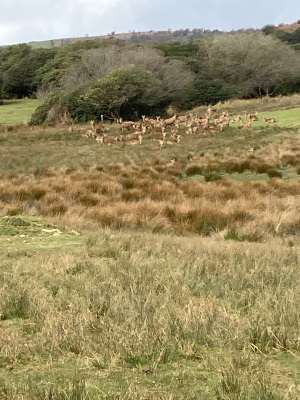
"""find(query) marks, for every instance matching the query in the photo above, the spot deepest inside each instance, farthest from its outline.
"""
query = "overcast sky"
(34, 20)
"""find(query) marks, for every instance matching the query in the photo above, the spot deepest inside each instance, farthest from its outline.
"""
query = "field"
(17, 111)
(126, 275)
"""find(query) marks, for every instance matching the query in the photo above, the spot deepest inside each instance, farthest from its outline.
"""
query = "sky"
(35, 20)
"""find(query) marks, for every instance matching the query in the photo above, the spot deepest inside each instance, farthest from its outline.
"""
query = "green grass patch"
(17, 111)
(19, 234)
(287, 118)
(45, 44)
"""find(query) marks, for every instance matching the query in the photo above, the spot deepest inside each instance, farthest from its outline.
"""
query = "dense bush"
(211, 91)
(39, 117)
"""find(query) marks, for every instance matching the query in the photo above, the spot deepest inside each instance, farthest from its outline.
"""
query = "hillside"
(290, 28)
(182, 35)
(162, 36)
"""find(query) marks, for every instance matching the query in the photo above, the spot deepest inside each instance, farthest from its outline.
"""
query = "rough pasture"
(151, 271)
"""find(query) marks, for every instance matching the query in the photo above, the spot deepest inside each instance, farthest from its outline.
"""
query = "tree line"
(111, 78)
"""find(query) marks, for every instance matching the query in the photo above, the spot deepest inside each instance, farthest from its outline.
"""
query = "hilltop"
(133, 37)
(164, 36)
(290, 28)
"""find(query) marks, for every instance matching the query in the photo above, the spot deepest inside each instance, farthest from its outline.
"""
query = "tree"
(128, 92)
(20, 75)
(255, 63)
(174, 78)
(210, 91)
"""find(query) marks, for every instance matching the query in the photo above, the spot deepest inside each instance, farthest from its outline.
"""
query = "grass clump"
(194, 170)
(274, 173)
(212, 176)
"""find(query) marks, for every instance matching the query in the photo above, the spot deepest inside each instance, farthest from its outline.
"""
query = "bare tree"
(254, 62)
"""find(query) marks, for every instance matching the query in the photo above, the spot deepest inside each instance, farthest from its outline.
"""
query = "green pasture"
(288, 118)
(45, 44)
(17, 111)
(285, 118)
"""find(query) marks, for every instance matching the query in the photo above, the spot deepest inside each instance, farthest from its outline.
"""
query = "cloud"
(36, 20)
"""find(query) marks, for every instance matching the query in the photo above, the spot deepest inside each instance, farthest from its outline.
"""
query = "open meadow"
(162, 270)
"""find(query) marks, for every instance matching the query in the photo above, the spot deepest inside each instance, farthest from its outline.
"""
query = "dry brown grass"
(145, 200)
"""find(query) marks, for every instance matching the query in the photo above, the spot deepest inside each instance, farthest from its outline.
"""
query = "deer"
(159, 129)
(109, 140)
(172, 162)
(137, 133)
(245, 124)
(150, 122)
(87, 133)
(174, 132)
(137, 140)
(252, 117)
(161, 143)
(213, 128)
(97, 127)
(96, 135)
(270, 120)
(236, 119)
(169, 121)
(204, 121)
(173, 141)
(223, 125)
(100, 139)
(126, 124)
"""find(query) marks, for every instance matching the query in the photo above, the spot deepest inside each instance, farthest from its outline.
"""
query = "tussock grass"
(162, 203)
(178, 308)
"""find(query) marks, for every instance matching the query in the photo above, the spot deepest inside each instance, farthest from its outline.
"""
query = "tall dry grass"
(127, 197)
(138, 302)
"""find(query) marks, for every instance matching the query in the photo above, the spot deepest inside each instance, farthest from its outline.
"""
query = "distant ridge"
(182, 35)
(136, 37)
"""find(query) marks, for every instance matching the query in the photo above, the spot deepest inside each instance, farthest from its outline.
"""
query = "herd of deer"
(167, 131)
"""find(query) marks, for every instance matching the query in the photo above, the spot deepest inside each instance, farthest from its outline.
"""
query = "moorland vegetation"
(156, 258)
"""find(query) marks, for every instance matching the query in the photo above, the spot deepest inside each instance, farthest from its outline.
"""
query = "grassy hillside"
(126, 275)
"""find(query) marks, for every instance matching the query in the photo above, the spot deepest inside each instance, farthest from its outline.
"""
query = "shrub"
(212, 176)
(232, 234)
(127, 183)
(263, 168)
(236, 166)
(274, 173)
(39, 117)
(17, 305)
(194, 170)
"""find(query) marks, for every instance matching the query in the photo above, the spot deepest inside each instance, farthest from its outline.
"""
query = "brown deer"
(245, 124)
(87, 133)
(126, 124)
(169, 121)
(270, 120)
(252, 117)
(137, 140)
(97, 127)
